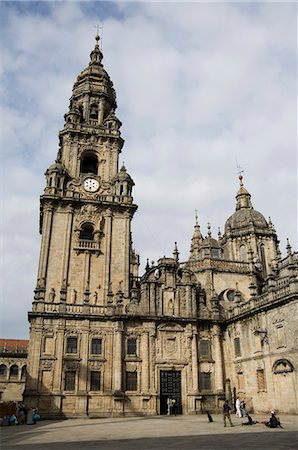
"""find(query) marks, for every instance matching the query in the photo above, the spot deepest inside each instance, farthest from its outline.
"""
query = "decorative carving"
(46, 364)
(282, 366)
(52, 295)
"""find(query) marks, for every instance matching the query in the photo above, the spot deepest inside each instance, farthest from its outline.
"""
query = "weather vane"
(97, 34)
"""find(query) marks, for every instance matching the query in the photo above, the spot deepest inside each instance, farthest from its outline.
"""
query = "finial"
(175, 252)
(123, 168)
(209, 229)
(289, 248)
(97, 34)
(219, 233)
(147, 265)
(196, 212)
(240, 172)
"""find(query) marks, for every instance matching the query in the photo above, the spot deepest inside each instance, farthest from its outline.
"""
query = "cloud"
(199, 86)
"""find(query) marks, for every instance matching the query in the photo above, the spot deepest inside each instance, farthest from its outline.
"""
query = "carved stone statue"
(52, 295)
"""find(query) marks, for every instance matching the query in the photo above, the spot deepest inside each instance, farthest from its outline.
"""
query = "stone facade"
(13, 369)
(105, 341)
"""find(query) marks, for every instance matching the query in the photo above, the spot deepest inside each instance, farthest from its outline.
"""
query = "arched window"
(24, 372)
(86, 232)
(93, 111)
(243, 253)
(89, 164)
(3, 370)
(14, 371)
(263, 260)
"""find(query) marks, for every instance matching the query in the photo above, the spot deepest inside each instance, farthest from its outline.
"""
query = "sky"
(201, 89)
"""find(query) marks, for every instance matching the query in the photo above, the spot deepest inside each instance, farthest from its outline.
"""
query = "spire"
(175, 252)
(243, 197)
(96, 54)
(196, 240)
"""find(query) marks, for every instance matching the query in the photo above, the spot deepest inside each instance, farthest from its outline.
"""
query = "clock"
(91, 185)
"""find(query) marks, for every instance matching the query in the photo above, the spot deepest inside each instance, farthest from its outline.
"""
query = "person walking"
(226, 413)
(243, 408)
(238, 411)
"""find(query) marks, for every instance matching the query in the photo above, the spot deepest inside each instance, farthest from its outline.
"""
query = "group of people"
(20, 415)
(240, 407)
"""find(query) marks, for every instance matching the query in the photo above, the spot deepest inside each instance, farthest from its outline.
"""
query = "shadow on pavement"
(278, 440)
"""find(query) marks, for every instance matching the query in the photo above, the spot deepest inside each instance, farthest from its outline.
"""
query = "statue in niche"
(171, 307)
(95, 295)
(74, 296)
(52, 295)
(64, 285)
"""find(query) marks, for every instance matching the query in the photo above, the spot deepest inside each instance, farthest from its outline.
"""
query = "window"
(69, 382)
(14, 371)
(3, 370)
(237, 347)
(261, 380)
(240, 381)
(86, 232)
(131, 346)
(131, 381)
(205, 381)
(93, 111)
(95, 381)
(71, 345)
(89, 164)
(281, 337)
(24, 372)
(96, 346)
(205, 348)
(243, 253)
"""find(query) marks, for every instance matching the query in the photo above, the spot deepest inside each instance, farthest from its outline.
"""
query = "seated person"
(273, 422)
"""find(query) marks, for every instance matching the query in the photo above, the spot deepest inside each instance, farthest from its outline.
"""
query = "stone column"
(108, 245)
(217, 356)
(65, 262)
(195, 368)
(118, 357)
(32, 380)
(45, 241)
(145, 362)
(59, 349)
(84, 353)
(126, 254)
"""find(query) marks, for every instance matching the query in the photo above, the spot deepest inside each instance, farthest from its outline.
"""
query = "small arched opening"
(89, 163)
(14, 372)
(86, 232)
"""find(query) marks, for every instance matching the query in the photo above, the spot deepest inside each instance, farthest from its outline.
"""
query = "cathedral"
(108, 341)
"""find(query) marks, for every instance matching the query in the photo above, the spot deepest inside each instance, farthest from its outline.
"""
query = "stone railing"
(280, 292)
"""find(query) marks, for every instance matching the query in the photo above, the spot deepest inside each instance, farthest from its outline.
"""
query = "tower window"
(132, 346)
(205, 381)
(131, 381)
(86, 232)
(96, 347)
(72, 345)
(69, 382)
(95, 381)
(89, 164)
(237, 347)
(243, 253)
(205, 348)
(93, 112)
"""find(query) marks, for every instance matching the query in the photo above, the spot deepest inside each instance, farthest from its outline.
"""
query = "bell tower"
(86, 257)
(87, 205)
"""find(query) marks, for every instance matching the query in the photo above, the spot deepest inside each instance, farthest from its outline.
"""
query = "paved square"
(148, 433)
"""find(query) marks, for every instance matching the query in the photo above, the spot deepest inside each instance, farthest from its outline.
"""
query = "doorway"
(170, 387)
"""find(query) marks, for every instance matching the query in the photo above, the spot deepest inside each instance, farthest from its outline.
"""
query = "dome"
(123, 175)
(244, 218)
(56, 167)
(210, 242)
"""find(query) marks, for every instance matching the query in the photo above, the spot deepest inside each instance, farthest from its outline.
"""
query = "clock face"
(91, 185)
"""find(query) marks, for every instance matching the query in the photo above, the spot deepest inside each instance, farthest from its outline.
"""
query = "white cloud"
(198, 85)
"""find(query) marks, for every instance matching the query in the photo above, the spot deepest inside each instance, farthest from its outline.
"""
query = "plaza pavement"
(151, 433)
